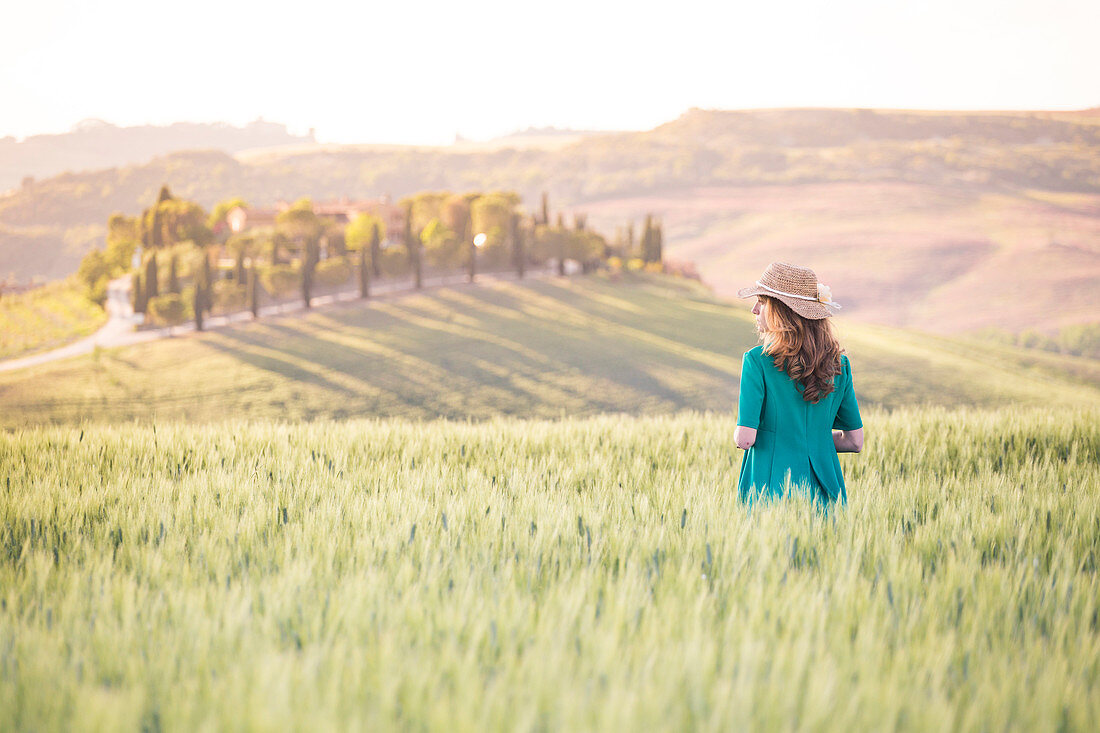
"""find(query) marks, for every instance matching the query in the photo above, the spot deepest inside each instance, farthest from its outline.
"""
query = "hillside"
(937, 221)
(937, 258)
(532, 349)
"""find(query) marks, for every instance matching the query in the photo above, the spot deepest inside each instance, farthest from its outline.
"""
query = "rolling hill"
(945, 222)
(538, 349)
(937, 258)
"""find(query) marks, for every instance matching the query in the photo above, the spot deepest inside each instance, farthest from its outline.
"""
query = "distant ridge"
(95, 144)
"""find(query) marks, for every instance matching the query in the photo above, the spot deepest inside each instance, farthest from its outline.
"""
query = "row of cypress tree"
(170, 220)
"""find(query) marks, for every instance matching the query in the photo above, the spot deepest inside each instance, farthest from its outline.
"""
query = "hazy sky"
(420, 72)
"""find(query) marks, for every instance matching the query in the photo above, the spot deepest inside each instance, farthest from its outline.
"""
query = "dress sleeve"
(847, 415)
(750, 400)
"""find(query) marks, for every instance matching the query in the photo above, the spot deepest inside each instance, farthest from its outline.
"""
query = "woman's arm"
(848, 441)
(744, 437)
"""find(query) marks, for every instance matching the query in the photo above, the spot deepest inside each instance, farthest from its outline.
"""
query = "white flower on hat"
(824, 294)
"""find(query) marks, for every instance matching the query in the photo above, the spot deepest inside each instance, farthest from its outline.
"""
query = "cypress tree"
(152, 288)
(156, 230)
(197, 302)
(658, 242)
(208, 282)
(173, 274)
(517, 244)
(471, 261)
(364, 271)
(545, 208)
(202, 283)
(136, 294)
(559, 238)
(376, 250)
(253, 292)
(647, 239)
(533, 242)
(412, 246)
(307, 274)
(239, 275)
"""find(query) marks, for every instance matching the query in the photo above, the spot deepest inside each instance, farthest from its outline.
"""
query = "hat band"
(830, 304)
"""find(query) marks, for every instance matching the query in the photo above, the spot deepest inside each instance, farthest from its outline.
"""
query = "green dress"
(794, 439)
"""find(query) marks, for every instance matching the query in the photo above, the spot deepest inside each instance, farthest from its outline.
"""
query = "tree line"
(178, 252)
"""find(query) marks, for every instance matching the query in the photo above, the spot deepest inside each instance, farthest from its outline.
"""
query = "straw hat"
(797, 287)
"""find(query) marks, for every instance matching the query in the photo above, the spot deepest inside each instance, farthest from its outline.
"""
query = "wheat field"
(594, 573)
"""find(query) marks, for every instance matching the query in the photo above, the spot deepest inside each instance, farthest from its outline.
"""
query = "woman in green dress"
(797, 407)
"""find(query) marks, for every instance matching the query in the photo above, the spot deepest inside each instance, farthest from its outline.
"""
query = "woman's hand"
(744, 437)
(848, 441)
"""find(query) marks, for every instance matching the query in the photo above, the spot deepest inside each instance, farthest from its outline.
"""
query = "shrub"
(395, 261)
(169, 309)
(635, 264)
(95, 272)
(441, 247)
(97, 291)
(1082, 340)
(584, 246)
(332, 272)
(230, 296)
(1032, 339)
(280, 280)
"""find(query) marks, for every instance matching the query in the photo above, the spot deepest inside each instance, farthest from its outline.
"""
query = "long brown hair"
(805, 348)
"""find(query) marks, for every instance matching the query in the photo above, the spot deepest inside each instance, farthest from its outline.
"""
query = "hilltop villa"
(341, 211)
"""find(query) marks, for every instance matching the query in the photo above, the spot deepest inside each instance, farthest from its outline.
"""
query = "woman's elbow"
(857, 440)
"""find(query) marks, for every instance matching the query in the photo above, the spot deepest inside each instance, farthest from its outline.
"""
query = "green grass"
(46, 317)
(580, 574)
(537, 349)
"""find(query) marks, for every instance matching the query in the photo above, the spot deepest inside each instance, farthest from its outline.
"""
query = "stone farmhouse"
(341, 211)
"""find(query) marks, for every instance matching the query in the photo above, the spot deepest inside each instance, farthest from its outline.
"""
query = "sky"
(423, 72)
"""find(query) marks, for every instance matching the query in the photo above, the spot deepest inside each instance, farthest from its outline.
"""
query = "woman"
(797, 407)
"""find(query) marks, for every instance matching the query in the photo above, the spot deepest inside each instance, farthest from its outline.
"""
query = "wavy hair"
(805, 348)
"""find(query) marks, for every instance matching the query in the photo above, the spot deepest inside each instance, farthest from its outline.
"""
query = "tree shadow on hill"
(279, 348)
(701, 327)
(652, 312)
(439, 372)
(689, 336)
(539, 350)
(274, 363)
